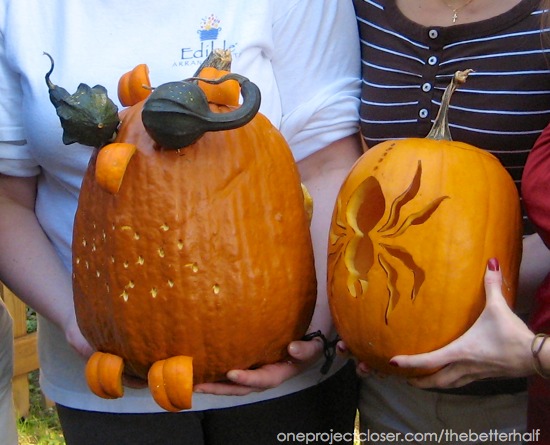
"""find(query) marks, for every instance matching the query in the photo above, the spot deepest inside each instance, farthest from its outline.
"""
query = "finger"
(363, 370)
(268, 376)
(493, 280)
(306, 351)
(342, 349)
(429, 360)
(448, 377)
(225, 389)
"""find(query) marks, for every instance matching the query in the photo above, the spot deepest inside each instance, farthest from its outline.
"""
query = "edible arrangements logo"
(209, 38)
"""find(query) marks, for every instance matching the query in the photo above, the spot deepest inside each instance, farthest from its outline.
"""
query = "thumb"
(493, 281)
(305, 351)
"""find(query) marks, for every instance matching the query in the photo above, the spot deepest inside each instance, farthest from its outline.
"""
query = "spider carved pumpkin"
(194, 258)
(414, 225)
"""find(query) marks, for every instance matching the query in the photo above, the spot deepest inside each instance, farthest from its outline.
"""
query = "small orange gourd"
(134, 86)
(199, 260)
(414, 225)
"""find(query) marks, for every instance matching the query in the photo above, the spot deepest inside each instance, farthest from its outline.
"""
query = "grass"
(41, 426)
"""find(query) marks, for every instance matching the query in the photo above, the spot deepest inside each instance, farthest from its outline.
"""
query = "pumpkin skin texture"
(414, 225)
(203, 252)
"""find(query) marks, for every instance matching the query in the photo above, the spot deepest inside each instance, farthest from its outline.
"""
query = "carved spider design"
(353, 237)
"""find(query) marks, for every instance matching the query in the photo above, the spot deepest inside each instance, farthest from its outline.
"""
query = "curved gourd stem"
(440, 129)
(242, 115)
(176, 114)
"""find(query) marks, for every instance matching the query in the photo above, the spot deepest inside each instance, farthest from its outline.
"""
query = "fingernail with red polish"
(394, 363)
(493, 265)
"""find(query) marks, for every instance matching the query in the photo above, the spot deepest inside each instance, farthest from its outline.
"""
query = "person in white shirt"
(304, 56)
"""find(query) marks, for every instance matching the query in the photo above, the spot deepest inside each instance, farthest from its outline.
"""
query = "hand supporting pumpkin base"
(498, 345)
(241, 382)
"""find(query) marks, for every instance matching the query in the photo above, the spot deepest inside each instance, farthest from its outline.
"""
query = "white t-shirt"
(303, 54)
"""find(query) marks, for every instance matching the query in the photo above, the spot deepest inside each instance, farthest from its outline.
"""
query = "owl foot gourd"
(174, 246)
(414, 225)
(170, 380)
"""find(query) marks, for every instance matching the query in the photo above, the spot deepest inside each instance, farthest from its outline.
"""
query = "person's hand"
(76, 339)
(361, 369)
(497, 345)
(241, 382)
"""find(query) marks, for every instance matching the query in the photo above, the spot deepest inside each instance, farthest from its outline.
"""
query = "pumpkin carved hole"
(358, 240)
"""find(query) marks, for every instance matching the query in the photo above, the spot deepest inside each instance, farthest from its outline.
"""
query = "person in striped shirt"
(410, 51)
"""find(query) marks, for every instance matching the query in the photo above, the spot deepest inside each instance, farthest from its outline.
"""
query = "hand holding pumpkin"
(497, 345)
(76, 339)
(242, 382)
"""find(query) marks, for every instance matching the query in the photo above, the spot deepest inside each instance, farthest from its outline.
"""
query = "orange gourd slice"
(104, 375)
(225, 93)
(171, 383)
(111, 164)
(134, 86)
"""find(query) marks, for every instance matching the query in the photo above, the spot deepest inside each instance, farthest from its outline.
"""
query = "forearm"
(29, 265)
(323, 174)
(535, 265)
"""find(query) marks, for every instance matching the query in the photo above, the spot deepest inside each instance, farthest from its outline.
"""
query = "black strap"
(329, 349)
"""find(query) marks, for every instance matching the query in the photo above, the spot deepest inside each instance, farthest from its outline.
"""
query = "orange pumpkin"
(414, 225)
(199, 254)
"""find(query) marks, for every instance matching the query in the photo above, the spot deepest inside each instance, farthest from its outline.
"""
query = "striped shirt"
(504, 105)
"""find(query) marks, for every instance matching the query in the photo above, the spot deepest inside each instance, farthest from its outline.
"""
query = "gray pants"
(8, 431)
(391, 409)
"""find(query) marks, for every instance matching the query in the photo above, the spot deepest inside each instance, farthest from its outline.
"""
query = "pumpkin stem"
(219, 59)
(57, 94)
(440, 129)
